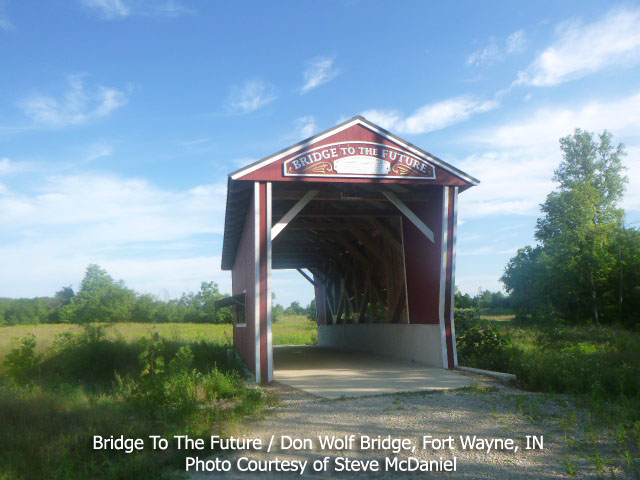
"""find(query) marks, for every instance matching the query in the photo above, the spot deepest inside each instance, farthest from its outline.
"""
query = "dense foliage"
(587, 262)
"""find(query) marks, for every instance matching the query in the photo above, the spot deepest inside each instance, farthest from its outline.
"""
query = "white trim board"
(453, 275)
(269, 319)
(256, 312)
(443, 274)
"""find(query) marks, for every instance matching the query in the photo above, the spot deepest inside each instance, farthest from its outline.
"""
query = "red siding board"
(243, 280)
(423, 261)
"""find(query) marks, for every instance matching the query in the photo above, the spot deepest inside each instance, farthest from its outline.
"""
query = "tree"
(463, 301)
(524, 278)
(295, 309)
(580, 252)
(312, 311)
(62, 298)
(201, 307)
(100, 299)
(581, 219)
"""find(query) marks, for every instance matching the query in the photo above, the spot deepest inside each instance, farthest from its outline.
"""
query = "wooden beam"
(400, 205)
(368, 242)
(353, 250)
(356, 196)
(322, 226)
(309, 279)
(386, 233)
(290, 215)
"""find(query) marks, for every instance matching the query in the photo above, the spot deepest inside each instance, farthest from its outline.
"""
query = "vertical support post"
(451, 227)
(443, 275)
(257, 271)
(268, 293)
(453, 276)
(264, 355)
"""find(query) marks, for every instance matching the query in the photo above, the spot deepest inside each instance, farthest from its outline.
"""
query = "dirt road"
(487, 413)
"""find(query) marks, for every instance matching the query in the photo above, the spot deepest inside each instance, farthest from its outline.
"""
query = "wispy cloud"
(5, 165)
(12, 167)
(115, 9)
(498, 50)
(251, 96)
(77, 106)
(431, 117)
(580, 50)
(243, 161)
(169, 8)
(516, 160)
(5, 23)
(109, 9)
(305, 126)
(319, 70)
(98, 150)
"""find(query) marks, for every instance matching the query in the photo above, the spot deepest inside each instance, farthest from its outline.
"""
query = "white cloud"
(10, 167)
(169, 8)
(114, 9)
(519, 158)
(109, 9)
(243, 161)
(5, 23)
(305, 127)
(431, 117)
(545, 126)
(320, 70)
(497, 51)
(516, 42)
(580, 50)
(98, 150)
(251, 96)
(77, 106)
(148, 236)
(5, 165)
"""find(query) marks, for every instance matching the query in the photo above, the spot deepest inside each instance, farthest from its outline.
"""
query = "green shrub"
(22, 361)
(603, 370)
(89, 358)
(479, 344)
(88, 384)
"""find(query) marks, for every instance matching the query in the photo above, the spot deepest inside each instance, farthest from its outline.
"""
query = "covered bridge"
(370, 220)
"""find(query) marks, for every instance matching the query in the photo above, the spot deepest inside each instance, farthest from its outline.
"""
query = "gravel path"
(501, 412)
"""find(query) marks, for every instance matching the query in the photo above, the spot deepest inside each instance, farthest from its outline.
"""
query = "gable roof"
(357, 120)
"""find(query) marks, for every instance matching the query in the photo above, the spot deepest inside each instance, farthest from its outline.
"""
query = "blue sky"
(120, 119)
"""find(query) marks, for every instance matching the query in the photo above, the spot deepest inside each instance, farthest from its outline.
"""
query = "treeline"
(586, 265)
(102, 299)
(294, 309)
(486, 302)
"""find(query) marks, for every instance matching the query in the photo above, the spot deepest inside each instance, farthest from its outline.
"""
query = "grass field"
(288, 330)
(61, 384)
(598, 367)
